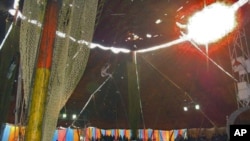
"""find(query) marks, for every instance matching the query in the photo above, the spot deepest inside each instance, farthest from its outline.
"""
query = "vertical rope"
(133, 97)
(138, 86)
(19, 95)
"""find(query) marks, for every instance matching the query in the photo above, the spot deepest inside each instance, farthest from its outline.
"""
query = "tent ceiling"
(169, 78)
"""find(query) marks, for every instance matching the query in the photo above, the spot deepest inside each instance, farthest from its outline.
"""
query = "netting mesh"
(75, 22)
(29, 39)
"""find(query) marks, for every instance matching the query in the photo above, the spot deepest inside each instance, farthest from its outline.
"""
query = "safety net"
(75, 30)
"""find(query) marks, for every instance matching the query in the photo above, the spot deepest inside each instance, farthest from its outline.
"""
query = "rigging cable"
(16, 8)
(6, 36)
(92, 95)
(217, 65)
(177, 86)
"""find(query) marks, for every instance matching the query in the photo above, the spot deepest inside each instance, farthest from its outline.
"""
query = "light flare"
(212, 23)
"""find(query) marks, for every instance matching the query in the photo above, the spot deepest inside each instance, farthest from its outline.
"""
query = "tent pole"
(42, 74)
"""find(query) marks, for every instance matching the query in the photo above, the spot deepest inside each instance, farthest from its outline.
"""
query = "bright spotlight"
(197, 106)
(211, 24)
(74, 116)
(64, 115)
(185, 108)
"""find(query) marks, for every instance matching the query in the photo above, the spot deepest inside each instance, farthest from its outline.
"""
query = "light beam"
(168, 44)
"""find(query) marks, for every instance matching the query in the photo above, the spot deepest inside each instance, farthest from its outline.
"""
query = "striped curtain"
(67, 134)
(11, 133)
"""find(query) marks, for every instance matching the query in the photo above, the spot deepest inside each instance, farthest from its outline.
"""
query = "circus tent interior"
(121, 68)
